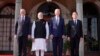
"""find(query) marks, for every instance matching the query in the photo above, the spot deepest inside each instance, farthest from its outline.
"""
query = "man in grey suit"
(22, 31)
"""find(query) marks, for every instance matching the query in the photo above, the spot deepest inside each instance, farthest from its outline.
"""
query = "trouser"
(57, 46)
(75, 46)
(37, 53)
(22, 43)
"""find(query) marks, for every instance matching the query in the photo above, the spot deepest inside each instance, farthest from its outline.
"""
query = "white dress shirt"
(75, 21)
(57, 19)
(22, 18)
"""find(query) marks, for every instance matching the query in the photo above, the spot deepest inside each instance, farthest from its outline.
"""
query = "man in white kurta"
(40, 34)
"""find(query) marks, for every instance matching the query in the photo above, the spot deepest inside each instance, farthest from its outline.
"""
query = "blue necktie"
(57, 22)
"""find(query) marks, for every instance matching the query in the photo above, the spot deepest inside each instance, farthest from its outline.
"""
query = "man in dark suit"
(74, 33)
(22, 31)
(57, 33)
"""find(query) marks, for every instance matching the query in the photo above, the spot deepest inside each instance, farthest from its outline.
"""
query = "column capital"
(79, 1)
(18, 1)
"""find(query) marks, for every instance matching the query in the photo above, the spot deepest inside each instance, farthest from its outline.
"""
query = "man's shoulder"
(79, 20)
(61, 17)
(53, 17)
(27, 17)
(70, 20)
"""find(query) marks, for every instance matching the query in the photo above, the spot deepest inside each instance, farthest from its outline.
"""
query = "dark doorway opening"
(7, 28)
(48, 9)
(91, 15)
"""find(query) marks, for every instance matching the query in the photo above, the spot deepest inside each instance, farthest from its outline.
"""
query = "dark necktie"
(75, 22)
(22, 19)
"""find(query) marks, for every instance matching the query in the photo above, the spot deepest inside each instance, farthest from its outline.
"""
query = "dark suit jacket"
(55, 30)
(26, 27)
(74, 29)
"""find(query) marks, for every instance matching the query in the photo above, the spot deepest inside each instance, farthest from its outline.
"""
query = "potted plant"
(67, 48)
(29, 45)
(91, 43)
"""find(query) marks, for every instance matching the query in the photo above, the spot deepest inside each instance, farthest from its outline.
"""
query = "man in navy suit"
(74, 33)
(22, 31)
(57, 33)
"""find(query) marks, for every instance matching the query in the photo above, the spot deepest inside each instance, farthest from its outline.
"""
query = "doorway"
(47, 9)
(90, 23)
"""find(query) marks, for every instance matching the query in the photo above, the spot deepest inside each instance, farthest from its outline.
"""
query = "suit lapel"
(77, 23)
(25, 19)
(73, 22)
(59, 20)
(73, 25)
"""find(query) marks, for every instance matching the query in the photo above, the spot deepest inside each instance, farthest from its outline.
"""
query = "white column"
(79, 8)
(18, 6)
(17, 10)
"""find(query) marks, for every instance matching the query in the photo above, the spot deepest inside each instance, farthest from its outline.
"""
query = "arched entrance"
(48, 10)
(90, 23)
(64, 11)
(7, 27)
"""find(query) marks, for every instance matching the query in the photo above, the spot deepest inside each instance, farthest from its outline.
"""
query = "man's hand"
(51, 36)
(29, 36)
(33, 40)
(63, 36)
(47, 40)
(81, 39)
(68, 38)
(15, 36)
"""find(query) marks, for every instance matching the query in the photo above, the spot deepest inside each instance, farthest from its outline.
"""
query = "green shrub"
(66, 45)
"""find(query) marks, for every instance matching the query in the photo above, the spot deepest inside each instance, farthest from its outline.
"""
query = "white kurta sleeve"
(33, 28)
(47, 30)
